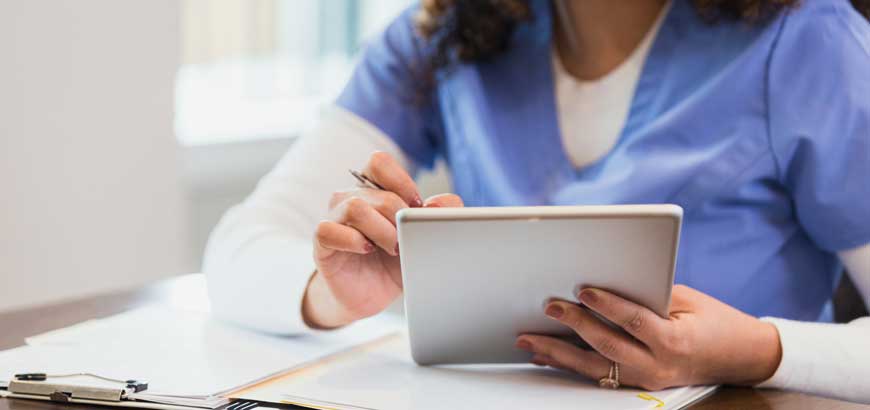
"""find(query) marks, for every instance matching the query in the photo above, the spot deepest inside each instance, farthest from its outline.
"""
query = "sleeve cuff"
(782, 377)
(269, 296)
(823, 359)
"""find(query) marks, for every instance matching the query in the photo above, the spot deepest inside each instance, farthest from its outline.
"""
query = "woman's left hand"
(703, 341)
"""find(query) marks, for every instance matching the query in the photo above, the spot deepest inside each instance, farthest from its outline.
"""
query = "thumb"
(443, 201)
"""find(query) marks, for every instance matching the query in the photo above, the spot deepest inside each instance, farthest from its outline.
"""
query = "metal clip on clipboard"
(38, 384)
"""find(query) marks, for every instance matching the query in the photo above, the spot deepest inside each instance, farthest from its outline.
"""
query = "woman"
(754, 116)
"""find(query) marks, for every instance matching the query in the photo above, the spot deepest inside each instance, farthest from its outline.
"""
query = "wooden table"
(190, 289)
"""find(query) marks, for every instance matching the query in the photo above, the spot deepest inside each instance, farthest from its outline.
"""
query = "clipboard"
(84, 388)
(106, 392)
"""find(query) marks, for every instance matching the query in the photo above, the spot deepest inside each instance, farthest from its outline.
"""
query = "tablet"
(476, 278)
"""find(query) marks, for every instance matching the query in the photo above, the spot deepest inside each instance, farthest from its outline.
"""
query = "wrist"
(320, 309)
(765, 353)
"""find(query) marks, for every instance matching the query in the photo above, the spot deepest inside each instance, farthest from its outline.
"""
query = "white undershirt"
(258, 259)
(592, 113)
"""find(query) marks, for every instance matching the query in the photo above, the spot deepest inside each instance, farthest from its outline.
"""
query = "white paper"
(385, 378)
(189, 355)
(179, 352)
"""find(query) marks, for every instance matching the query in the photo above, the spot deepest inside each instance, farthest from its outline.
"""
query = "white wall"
(90, 193)
(95, 194)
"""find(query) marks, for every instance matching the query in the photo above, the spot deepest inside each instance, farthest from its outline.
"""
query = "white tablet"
(476, 278)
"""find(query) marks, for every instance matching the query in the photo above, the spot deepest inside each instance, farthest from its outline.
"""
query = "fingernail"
(588, 296)
(524, 345)
(417, 202)
(433, 205)
(368, 247)
(554, 311)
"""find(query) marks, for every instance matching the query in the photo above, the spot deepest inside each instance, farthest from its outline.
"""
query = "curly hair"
(477, 30)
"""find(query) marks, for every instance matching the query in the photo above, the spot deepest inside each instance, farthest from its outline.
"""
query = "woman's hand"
(356, 250)
(703, 341)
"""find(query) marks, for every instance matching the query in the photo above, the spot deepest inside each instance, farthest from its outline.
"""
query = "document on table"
(187, 357)
(382, 376)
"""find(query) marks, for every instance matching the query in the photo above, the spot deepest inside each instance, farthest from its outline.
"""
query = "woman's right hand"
(356, 250)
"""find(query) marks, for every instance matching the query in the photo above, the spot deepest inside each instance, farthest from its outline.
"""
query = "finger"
(443, 201)
(335, 236)
(540, 360)
(388, 173)
(611, 344)
(637, 320)
(385, 202)
(360, 215)
(544, 360)
(566, 356)
(563, 355)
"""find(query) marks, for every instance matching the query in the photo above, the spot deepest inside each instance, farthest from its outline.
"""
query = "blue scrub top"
(761, 133)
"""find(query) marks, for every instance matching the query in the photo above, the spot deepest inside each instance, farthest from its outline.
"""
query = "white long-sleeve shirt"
(259, 258)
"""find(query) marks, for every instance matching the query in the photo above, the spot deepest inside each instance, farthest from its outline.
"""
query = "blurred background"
(129, 127)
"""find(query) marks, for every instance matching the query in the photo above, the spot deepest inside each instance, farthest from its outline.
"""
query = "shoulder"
(402, 26)
(399, 42)
(391, 62)
(822, 53)
(817, 82)
(830, 29)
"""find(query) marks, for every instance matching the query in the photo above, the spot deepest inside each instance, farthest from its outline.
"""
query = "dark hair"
(476, 30)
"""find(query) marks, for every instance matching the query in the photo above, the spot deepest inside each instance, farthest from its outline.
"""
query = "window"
(254, 69)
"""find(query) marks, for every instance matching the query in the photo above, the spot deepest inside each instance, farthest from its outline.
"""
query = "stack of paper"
(188, 358)
(191, 360)
(382, 376)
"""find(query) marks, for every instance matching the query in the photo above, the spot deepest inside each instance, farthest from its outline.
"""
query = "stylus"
(365, 180)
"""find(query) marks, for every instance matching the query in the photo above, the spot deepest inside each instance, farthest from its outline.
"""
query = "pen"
(365, 181)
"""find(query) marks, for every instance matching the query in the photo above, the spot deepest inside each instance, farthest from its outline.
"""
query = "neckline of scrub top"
(592, 113)
(645, 95)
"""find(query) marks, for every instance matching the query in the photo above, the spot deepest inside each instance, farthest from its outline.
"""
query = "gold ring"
(611, 381)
